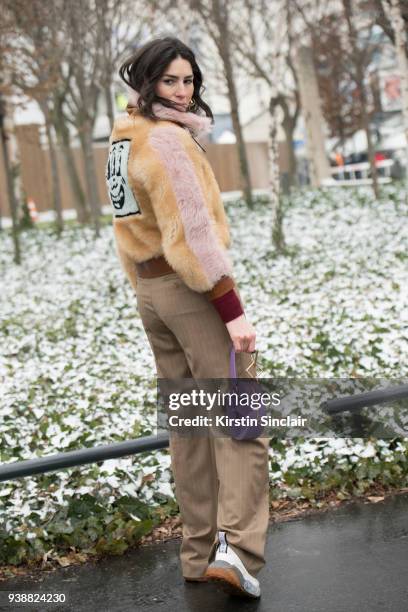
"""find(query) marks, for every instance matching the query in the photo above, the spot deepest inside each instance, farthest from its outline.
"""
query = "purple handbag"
(244, 387)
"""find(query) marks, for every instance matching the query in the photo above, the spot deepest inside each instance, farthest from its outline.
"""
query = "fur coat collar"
(198, 125)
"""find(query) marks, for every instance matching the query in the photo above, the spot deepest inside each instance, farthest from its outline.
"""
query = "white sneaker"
(228, 569)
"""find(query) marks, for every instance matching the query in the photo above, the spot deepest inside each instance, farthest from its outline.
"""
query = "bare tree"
(120, 34)
(9, 144)
(60, 123)
(11, 164)
(33, 63)
(35, 59)
(275, 105)
(261, 42)
(98, 33)
(313, 116)
(360, 57)
(340, 107)
(260, 45)
(383, 18)
(215, 18)
(304, 16)
(355, 29)
(65, 57)
(84, 37)
(395, 13)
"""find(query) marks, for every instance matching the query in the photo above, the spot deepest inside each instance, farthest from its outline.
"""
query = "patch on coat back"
(121, 195)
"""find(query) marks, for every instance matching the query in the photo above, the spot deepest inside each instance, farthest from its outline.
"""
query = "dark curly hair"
(142, 70)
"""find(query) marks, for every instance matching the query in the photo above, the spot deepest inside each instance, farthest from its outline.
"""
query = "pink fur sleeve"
(191, 206)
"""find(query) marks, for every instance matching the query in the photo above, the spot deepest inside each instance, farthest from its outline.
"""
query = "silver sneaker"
(228, 570)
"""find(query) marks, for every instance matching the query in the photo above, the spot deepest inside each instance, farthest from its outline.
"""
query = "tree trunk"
(381, 13)
(55, 181)
(83, 214)
(278, 240)
(370, 146)
(10, 157)
(400, 37)
(109, 104)
(313, 116)
(289, 125)
(220, 12)
(243, 159)
(85, 136)
(359, 80)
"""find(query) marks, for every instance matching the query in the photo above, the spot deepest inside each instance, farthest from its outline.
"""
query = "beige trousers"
(220, 483)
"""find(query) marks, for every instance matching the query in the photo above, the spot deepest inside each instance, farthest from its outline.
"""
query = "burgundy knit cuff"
(228, 306)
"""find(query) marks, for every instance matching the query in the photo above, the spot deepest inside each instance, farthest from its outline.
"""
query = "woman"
(172, 235)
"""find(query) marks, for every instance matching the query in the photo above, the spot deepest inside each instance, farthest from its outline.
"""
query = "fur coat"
(166, 200)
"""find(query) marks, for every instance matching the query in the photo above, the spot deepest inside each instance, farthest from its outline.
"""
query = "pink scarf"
(199, 125)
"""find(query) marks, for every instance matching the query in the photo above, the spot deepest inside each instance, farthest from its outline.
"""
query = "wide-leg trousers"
(220, 483)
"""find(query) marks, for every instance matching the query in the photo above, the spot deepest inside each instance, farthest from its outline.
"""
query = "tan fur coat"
(166, 201)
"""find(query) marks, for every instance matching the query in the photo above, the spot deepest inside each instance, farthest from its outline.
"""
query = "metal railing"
(364, 400)
(59, 461)
(52, 463)
(358, 174)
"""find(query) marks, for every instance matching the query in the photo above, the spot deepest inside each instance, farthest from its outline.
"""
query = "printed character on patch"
(120, 194)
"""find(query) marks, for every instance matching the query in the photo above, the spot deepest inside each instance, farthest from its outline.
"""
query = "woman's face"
(176, 83)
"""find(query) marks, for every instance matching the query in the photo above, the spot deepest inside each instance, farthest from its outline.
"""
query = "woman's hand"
(242, 334)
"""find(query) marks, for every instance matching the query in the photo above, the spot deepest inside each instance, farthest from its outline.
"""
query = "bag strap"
(233, 369)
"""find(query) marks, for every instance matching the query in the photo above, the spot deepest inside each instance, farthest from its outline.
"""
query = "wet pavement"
(352, 559)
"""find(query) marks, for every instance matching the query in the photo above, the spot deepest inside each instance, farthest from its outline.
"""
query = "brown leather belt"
(157, 266)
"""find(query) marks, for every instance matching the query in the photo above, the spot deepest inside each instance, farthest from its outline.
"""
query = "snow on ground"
(76, 368)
